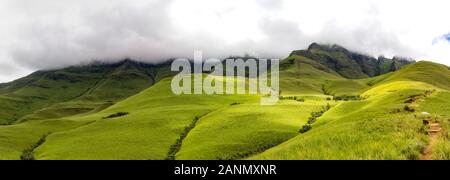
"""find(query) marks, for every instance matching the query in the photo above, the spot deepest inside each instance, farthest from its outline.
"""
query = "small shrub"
(325, 90)
(412, 151)
(295, 98)
(28, 154)
(423, 129)
(300, 100)
(305, 128)
(119, 114)
(328, 107)
(314, 117)
(409, 108)
(347, 98)
(429, 92)
(395, 111)
(291, 61)
(410, 100)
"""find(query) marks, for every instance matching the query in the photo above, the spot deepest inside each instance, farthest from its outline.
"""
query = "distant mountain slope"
(300, 75)
(350, 64)
(90, 86)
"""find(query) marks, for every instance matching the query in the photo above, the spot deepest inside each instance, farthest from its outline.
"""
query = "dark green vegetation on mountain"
(374, 110)
(75, 90)
(350, 64)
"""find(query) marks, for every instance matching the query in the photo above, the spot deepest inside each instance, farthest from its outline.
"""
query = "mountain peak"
(326, 47)
(351, 64)
(314, 46)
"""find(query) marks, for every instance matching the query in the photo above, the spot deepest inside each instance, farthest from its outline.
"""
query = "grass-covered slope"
(302, 76)
(385, 125)
(431, 73)
(438, 105)
(102, 122)
(242, 130)
(155, 120)
(358, 130)
(74, 90)
(18, 137)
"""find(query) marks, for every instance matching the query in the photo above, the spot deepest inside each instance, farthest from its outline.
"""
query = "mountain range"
(334, 104)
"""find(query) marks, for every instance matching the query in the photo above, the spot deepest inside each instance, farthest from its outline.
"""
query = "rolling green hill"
(75, 90)
(350, 64)
(127, 111)
(379, 127)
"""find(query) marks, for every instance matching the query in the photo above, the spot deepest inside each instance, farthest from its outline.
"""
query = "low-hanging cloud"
(49, 34)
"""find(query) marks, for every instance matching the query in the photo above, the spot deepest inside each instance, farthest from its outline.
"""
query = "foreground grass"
(239, 131)
(155, 121)
(16, 138)
(378, 126)
(438, 106)
(367, 129)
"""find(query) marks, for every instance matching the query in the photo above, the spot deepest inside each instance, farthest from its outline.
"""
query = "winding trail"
(433, 132)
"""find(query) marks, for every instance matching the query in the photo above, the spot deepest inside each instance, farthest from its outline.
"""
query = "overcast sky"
(46, 34)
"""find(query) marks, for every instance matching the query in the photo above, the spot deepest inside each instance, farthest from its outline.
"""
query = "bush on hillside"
(174, 148)
(409, 108)
(295, 98)
(413, 151)
(314, 116)
(119, 114)
(27, 154)
(395, 111)
(6, 124)
(305, 128)
(347, 98)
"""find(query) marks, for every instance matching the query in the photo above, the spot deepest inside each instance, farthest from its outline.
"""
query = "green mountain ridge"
(350, 64)
(93, 85)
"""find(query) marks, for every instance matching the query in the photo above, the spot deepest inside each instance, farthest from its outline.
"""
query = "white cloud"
(54, 33)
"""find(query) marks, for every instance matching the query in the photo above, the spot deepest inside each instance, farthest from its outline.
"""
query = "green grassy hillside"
(302, 76)
(379, 127)
(75, 90)
(127, 111)
(155, 120)
(239, 131)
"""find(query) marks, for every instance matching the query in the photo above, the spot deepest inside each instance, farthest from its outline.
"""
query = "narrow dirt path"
(433, 132)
